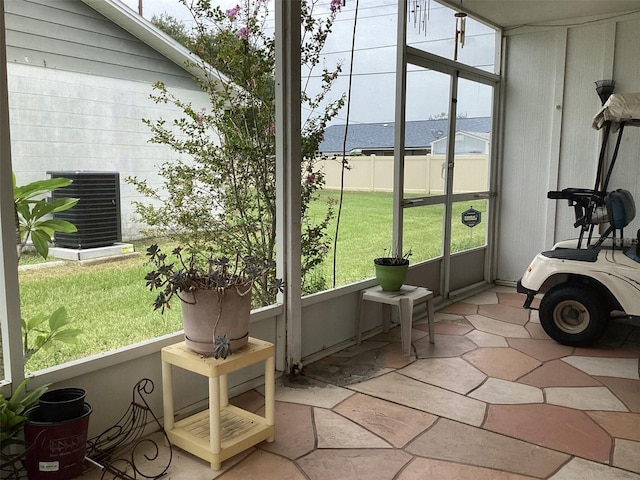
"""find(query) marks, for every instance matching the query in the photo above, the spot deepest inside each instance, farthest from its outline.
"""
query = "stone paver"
(558, 428)
(504, 363)
(626, 454)
(618, 424)
(534, 316)
(606, 367)
(348, 369)
(353, 464)
(295, 436)
(484, 339)
(444, 346)
(255, 465)
(455, 442)
(335, 431)
(498, 391)
(251, 401)
(536, 331)
(460, 308)
(391, 357)
(423, 468)
(584, 398)
(630, 351)
(458, 326)
(451, 373)
(489, 325)
(406, 391)
(505, 313)
(631, 346)
(484, 298)
(509, 298)
(312, 393)
(294, 427)
(625, 389)
(557, 373)
(580, 469)
(543, 350)
(394, 423)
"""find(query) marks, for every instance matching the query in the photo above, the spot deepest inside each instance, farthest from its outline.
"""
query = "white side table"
(404, 299)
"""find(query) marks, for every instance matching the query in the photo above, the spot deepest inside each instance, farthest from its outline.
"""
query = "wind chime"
(461, 20)
(420, 9)
(420, 12)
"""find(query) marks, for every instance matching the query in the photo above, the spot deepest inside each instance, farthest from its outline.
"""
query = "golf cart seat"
(621, 210)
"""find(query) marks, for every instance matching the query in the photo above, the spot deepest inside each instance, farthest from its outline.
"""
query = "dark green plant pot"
(391, 277)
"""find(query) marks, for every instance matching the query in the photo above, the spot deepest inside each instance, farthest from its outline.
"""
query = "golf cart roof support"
(605, 185)
(603, 151)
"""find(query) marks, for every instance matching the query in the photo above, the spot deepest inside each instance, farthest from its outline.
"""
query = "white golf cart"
(586, 280)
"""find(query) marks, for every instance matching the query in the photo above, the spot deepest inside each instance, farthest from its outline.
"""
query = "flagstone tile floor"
(492, 398)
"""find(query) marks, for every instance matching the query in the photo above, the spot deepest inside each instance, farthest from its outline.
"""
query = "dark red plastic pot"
(55, 450)
(61, 404)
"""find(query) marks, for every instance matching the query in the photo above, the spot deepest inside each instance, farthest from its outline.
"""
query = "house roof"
(380, 136)
(146, 32)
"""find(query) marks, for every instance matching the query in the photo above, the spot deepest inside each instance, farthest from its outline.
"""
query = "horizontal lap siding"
(79, 88)
(73, 121)
(69, 35)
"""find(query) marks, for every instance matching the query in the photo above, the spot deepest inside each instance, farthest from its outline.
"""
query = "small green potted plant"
(214, 293)
(391, 271)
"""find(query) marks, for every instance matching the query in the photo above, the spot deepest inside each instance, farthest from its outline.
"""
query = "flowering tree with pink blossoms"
(218, 195)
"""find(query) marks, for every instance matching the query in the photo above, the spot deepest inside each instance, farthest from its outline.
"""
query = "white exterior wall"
(72, 121)
(70, 35)
(549, 144)
(79, 88)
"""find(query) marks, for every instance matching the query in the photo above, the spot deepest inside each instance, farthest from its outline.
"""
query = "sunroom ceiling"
(512, 13)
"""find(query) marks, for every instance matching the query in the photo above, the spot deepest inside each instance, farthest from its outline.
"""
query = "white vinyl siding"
(69, 35)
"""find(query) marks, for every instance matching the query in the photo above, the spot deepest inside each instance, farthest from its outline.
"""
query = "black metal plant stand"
(12, 467)
(122, 451)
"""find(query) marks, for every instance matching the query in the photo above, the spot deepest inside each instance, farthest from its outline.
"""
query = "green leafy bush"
(33, 221)
(218, 196)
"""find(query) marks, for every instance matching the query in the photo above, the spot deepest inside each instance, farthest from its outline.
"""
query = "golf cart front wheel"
(573, 315)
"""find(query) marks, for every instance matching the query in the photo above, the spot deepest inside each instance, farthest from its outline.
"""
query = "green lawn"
(366, 230)
(110, 303)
